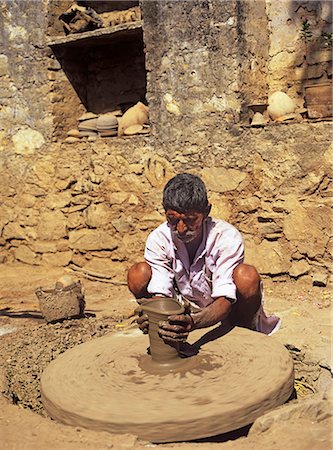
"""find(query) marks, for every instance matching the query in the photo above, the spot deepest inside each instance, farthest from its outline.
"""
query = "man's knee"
(247, 280)
(138, 277)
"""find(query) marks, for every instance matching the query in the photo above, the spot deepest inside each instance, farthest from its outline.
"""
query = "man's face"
(185, 226)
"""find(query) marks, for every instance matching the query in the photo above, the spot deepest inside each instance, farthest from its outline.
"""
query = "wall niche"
(97, 71)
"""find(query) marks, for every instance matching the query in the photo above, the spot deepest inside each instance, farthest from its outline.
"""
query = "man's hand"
(176, 328)
(142, 320)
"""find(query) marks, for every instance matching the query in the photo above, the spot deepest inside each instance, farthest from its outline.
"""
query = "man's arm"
(216, 312)
(178, 327)
(156, 255)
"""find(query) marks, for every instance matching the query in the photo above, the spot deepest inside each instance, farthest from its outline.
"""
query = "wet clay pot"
(159, 310)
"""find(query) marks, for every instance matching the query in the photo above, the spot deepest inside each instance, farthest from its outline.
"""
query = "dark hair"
(185, 192)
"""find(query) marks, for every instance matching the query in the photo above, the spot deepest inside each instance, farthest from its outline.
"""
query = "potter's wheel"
(101, 385)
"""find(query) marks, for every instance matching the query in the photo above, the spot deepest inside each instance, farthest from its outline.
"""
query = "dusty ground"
(31, 344)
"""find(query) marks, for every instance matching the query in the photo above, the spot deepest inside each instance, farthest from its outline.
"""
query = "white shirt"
(210, 274)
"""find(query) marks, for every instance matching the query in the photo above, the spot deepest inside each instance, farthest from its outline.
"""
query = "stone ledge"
(100, 36)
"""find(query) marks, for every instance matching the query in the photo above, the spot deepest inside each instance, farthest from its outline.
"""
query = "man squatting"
(198, 259)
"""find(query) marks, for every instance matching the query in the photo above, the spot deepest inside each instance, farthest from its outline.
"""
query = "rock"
(158, 171)
(13, 231)
(296, 229)
(104, 266)
(97, 215)
(3, 65)
(315, 409)
(319, 277)
(125, 224)
(280, 104)
(26, 141)
(64, 281)
(268, 257)
(51, 226)
(26, 200)
(150, 221)
(85, 240)
(25, 254)
(44, 170)
(219, 179)
(50, 246)
(301, 267)
(118, 198)
(171, 105)
(58, 259)
(74, 220)
(58, 201)
(221, 208)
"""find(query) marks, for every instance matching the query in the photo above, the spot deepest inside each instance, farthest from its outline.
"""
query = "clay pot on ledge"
(318, 99)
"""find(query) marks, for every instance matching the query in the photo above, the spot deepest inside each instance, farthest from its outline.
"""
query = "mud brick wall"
(91, 205)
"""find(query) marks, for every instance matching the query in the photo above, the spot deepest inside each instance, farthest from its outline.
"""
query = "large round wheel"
(103, 385)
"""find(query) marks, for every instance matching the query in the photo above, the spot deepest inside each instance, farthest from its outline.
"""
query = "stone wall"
(25, 121)
(90, 205)
(289, 69)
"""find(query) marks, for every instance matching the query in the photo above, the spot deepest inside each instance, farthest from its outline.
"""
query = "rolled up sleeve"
(162, 274)
(230, 254)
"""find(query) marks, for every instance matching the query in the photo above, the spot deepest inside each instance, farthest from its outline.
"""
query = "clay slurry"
(102, 385)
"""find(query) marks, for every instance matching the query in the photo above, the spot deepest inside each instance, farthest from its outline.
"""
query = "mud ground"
(28, 344)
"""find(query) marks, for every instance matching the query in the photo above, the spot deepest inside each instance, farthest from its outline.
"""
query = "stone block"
(221, 208)
(85, 240)
(26, 200)
(74, 220)
(219, 179)
(13, 231)
(298, 227)
(50, 246)
(104, 267)
(25, 254)
(118, 198)
(125, 224)
(97, 215)
(44, 170)
(319, 277)
(3, 65)
(59, 259)
(268, 257)
(301, 267)
(58, 201)
(150, 221)
(51, 226)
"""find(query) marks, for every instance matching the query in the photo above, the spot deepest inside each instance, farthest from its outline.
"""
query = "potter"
(198, 260)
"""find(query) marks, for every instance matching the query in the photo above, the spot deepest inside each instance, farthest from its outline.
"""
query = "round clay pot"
(159, 310)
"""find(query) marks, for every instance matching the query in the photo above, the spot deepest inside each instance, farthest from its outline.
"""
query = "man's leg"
(247, 282)
(138, 278)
